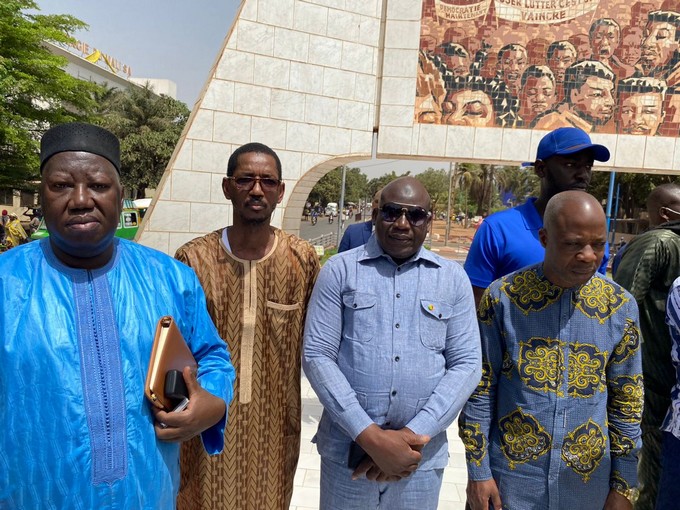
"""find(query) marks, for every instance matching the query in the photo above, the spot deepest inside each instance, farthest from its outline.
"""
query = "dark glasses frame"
(416, 216)
(247, 183)
(669, 209)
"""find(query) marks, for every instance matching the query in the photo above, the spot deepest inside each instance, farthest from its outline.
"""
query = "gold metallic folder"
(169, 352)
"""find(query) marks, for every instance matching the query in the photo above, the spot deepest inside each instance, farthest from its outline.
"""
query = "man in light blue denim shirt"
(392, 350)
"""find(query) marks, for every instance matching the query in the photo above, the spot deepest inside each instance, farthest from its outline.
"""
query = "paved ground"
(306, 492)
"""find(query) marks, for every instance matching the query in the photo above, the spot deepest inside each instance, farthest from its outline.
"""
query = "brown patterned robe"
(258, 307)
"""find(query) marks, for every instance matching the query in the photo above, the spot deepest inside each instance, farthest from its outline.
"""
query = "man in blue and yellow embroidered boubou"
(555, 420)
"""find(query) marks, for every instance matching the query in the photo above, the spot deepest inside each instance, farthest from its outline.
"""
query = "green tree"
(35, 91)
(468, 177)
(149, 127)
(521, 182)
(328, 187)
(485, 187)
(380, 182)
(634, 189)
(436, 183)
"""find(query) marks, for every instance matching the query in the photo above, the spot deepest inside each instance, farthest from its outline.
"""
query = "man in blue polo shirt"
(508, 240)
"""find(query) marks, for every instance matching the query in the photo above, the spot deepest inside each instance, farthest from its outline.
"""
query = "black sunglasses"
(248, 183)
(416, 216)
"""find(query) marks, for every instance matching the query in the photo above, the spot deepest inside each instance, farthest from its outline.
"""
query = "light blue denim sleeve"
(323, 335)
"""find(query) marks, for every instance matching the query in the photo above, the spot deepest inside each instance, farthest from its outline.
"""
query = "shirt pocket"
(359, 316)
(434, 320)
(283, 327)
(375, 404)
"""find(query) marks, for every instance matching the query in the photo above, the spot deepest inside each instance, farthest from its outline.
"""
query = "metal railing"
(327, 240)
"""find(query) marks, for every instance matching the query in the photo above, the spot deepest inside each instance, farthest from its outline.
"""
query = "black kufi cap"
(77, 136)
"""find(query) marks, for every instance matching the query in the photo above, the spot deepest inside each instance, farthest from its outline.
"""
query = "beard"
(257, 221)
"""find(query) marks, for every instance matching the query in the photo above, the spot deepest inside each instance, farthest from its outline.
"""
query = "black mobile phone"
(175, 387)
(356, 455)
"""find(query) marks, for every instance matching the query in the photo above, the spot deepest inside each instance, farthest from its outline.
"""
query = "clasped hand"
(203, 411)
(393, 454)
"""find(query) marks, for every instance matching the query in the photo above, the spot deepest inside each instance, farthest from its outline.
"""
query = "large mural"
(606, 66)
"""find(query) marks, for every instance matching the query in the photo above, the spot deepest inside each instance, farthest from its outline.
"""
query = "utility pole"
(341, 206)
(452, 174)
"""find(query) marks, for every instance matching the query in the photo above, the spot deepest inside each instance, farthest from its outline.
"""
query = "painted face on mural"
(640, 114)
(659, 44)
(537, 96)
(458, 65)
(604, 41)
(561, 59)
(630, 49)
(512, 66)
(671, 121)
(496, 51)
(468, 108)
(594, 100)
(489, 67)
(428, 43)
(582, 44)
(639, 13)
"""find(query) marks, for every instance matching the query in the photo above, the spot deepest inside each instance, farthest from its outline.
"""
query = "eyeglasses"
(416, 216)
(248, 183)
(670, 210)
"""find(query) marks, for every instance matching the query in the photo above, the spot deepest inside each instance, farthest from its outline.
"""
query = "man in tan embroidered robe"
(257, 280)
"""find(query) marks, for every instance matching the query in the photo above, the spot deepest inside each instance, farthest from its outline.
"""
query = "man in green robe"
(647, 269)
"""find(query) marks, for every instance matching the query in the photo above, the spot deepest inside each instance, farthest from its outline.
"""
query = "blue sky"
(174, 39)
(177, 40)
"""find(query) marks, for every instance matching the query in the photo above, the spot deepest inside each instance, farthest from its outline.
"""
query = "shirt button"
(398, 269)
(397, 326)
(388, 423)
(355, 305)
(398, 295)
(394, 392)
(396, 358)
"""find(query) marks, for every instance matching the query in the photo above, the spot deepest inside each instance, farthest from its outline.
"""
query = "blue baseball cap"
(568, 140)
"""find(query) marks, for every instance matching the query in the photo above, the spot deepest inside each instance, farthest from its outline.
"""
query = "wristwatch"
(630, 494)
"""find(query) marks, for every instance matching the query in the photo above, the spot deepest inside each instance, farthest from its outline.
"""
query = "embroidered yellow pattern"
(586, 370)
(620, 444)
(485, 381)
(522, 438)
(629, 344)
(584, 448)
(530, 292)
(474, 441)
(599, 299)
(541, 364)
(506, 367)
(626, 394)
(485, 311)
(616, 481)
